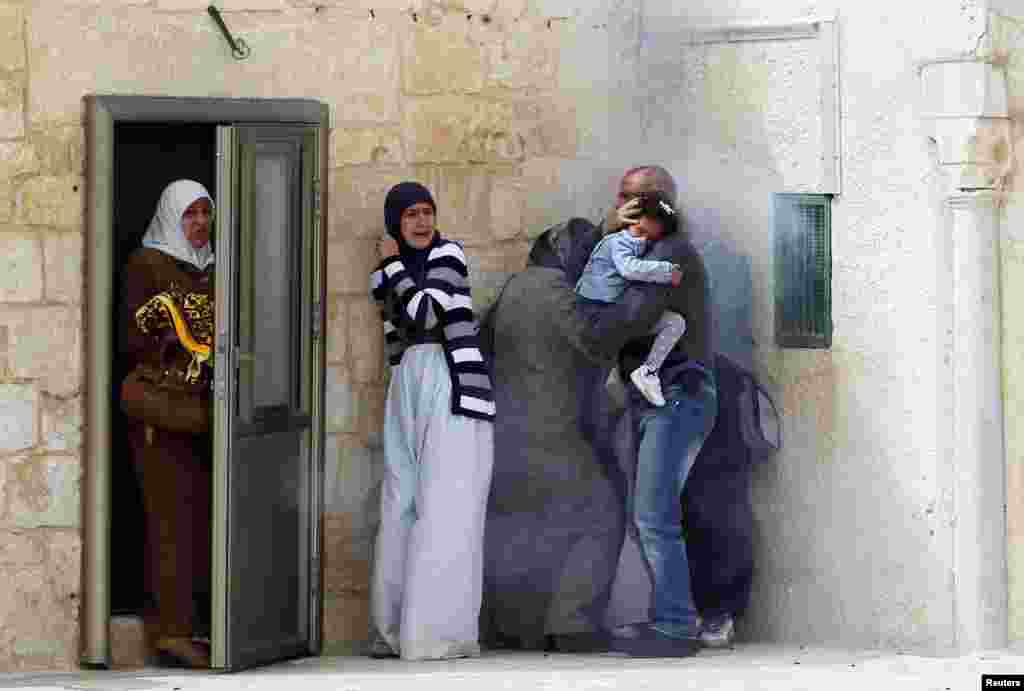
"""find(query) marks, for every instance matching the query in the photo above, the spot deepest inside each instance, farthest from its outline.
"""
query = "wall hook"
(239, 48)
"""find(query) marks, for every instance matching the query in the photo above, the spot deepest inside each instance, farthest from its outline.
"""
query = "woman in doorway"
(438, 441)
(165, 330)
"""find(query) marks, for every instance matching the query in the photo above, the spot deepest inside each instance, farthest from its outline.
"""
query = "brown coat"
(173, 467)
(147, 273)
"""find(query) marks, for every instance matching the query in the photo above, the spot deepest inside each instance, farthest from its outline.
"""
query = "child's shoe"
(649, 384)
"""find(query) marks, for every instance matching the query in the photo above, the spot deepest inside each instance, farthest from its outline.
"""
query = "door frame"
(102, 113)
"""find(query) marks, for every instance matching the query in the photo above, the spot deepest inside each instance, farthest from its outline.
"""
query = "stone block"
(547, 199)
(524, 55)
(127, 642)
(488, 274)
(65, 266)
(547, 124)
(18, 429)
(21, 267)
(366, 336)
(337, 330)
(507, 201)
(18, 158)
(463, 195)
(43, 491)
(39, 607)
(370, 401)
(45, 343)
(62, 423)
(351, 490)
(12, 105)
(347, 556)
(6, 199)
(331, 56)
(349, 264)
(224, 5)
(340, 401)
(366, 145)
(12, 37)
(59, 150)
(346, 623)
(443, 58)
(18, 547)
(460, 129)
(357, 200)
(64, 563)
(51, 201)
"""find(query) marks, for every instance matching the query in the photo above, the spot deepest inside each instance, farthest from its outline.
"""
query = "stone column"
(978, 475)
(965, 102)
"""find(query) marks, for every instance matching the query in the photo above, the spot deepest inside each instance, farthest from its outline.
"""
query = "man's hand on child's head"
(625, 215)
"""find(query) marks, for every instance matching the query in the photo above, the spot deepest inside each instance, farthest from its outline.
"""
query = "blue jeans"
(670, 438)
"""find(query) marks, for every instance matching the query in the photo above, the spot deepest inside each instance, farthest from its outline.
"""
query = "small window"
(803, 270)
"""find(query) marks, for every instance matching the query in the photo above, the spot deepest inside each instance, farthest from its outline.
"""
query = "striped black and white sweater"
(442, 306)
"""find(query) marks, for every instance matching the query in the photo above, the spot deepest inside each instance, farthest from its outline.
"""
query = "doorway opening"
(262, 160)
(147, 157)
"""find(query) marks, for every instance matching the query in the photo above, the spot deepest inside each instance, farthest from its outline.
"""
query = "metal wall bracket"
(239, 48)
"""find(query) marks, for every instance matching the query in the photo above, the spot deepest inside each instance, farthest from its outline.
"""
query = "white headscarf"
(165, 232)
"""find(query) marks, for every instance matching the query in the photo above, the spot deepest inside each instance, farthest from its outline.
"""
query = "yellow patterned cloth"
(191, 317)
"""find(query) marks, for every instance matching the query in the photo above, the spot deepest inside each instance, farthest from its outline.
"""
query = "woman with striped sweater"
(438, 443)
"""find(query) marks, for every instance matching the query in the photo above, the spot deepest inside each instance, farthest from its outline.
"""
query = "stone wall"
(857, 517)
(40, 368)
(463, 95)
(1007, 46)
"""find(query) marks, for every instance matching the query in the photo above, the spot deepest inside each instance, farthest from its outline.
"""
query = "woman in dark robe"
(166, 397)
(555, 515)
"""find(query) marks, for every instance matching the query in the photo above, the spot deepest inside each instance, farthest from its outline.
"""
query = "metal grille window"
(803, 270)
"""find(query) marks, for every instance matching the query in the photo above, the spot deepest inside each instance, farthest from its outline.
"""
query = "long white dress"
(428, 570)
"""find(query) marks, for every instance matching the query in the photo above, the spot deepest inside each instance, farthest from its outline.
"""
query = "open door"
(268, 388)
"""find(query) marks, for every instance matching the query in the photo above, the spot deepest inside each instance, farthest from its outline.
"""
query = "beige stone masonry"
(458, 129)
(12, 36)
(19, 429)
(463, 195)
(51, 201)
(45, 344)
(58, 150)
(367, 145)
(12, 99)
(39, 603)
(349, 263)
(351, 63)
(346, 623)
(21, 267)
(64, 267)
(443, 59)
(357, 202)
(337, 330)
(459, 94)
(366, 337)
(62, 423)
(42, 491)
(341, 403)
(507, 200)
(547, 124)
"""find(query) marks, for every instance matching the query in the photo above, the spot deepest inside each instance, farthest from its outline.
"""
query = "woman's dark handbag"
(166, 401)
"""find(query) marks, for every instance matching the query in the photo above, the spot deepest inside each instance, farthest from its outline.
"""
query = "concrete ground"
(768, 667)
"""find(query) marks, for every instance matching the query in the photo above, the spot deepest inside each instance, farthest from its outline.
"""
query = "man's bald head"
(643, 179)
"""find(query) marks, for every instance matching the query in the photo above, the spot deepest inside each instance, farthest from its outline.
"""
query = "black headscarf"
(401, 197)
(567, 247)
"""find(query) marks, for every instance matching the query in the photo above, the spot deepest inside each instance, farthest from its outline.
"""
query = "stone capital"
(964, 102)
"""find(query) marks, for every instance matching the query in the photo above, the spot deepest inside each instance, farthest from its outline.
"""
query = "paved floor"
(746, 667)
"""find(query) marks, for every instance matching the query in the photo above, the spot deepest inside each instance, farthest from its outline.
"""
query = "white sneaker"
(718, 633)
(649, 384)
